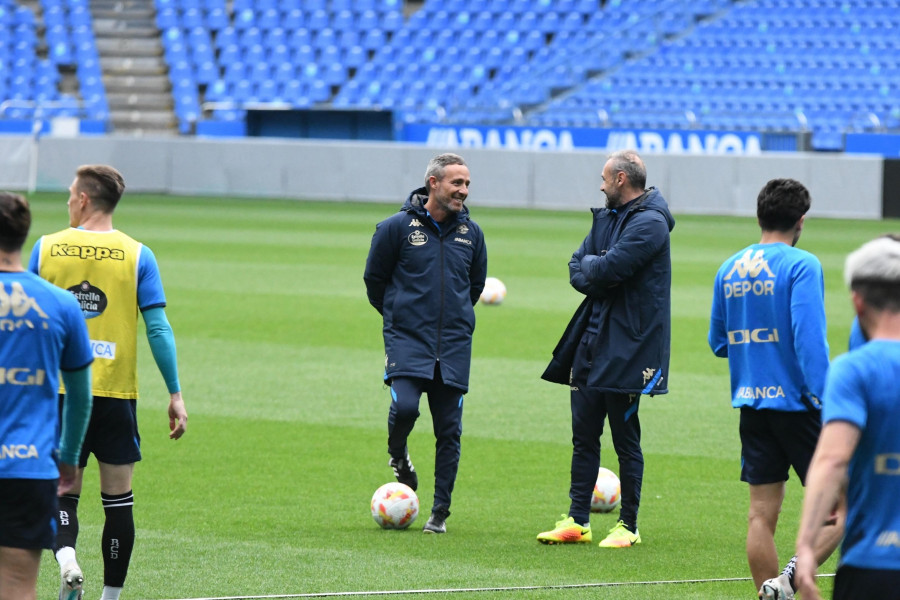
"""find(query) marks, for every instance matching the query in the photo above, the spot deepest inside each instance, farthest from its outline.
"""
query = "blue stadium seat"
(245, 19)
(192, 18)
(325, 37)
(268, 90)
(226, 36)
(391, 20)
(373, 39)
(55, 16)
(269, 18)
(284, 72)
(300, 37)
(319, 91)
(304, 55)
(229, 54)
(80, 15)
(217, 19)
(251, 36)
(355, 57)
(207, 72)
(318, 19)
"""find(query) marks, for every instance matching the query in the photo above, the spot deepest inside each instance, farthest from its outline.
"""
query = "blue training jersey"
(41, 331)
(862, 389)
(768, 319)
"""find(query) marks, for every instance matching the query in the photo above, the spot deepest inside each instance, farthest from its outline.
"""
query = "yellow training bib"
(100, 270)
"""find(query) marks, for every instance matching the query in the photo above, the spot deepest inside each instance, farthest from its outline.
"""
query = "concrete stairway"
(135, 73)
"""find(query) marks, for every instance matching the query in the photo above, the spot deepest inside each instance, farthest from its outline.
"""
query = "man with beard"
(768, 319)
(425, 271)
(616, 347)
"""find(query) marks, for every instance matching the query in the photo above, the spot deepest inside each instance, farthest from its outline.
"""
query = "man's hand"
(177, 416)
(805, 574)
(66, 478)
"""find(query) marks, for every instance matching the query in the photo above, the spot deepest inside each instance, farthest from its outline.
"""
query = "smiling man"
(425, 271)
(615, 348)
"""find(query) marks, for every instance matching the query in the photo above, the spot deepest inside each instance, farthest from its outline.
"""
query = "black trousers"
(590, 410)
(853, 583)
(446, 406)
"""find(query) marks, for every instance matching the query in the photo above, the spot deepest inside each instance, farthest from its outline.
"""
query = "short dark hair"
(781, 203)
(103, 184)
(15, 221)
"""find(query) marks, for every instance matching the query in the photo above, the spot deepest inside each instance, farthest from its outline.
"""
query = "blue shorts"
(112, 435)
(773, 441)
(28, 513)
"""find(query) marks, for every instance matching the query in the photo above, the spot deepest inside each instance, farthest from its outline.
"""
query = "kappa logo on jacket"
(415, 223)
(418, 238)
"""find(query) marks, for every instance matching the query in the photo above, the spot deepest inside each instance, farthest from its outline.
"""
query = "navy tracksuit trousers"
(590, 408)
(446, 406)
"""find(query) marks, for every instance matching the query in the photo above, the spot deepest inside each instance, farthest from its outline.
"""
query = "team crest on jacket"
(417, 238)
(463, 229)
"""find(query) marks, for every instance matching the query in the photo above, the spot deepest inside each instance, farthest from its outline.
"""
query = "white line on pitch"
(483, 589)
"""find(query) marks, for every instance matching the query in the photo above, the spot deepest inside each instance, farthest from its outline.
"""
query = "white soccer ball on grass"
(395, 506)
(494, 291)
(607, 492)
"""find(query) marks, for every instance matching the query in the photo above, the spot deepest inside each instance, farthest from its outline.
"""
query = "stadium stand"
(823, 66)
(829, 66)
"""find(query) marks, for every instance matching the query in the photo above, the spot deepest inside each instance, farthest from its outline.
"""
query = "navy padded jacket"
(624, 269)
(425, 281)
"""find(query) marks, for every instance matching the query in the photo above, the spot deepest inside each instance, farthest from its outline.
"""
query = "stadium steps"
(134, 70)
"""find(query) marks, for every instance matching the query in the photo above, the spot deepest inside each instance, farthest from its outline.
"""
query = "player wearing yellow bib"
(113, 277)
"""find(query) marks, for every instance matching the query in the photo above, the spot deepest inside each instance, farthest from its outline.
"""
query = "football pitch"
(281, 359)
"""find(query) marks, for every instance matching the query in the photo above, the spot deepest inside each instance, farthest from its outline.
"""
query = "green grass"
(281, 362)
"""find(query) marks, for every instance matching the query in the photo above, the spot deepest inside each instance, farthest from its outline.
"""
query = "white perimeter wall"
(844, 186)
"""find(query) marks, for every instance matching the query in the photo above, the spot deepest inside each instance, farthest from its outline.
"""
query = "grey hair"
(629, 162)
(437, 165)
(873, 272)
(878, 260)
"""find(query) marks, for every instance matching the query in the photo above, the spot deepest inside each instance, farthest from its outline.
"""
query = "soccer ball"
(606, 496)
(494, 291)
(395, 506)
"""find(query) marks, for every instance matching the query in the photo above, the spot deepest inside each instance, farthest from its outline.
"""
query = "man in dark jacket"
(425, 272)
(616, 347)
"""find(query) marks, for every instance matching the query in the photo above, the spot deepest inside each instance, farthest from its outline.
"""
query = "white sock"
(110, 593)
(65, 555)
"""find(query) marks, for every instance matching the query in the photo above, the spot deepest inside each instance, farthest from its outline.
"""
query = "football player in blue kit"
(42, 334)
(859, 450)
(768, 319)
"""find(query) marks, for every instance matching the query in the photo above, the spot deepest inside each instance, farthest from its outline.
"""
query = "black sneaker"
(404, 471)
(436, 522)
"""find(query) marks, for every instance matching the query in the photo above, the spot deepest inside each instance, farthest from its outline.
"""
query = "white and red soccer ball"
(607, 492)
(494, 291)
(395, 506)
